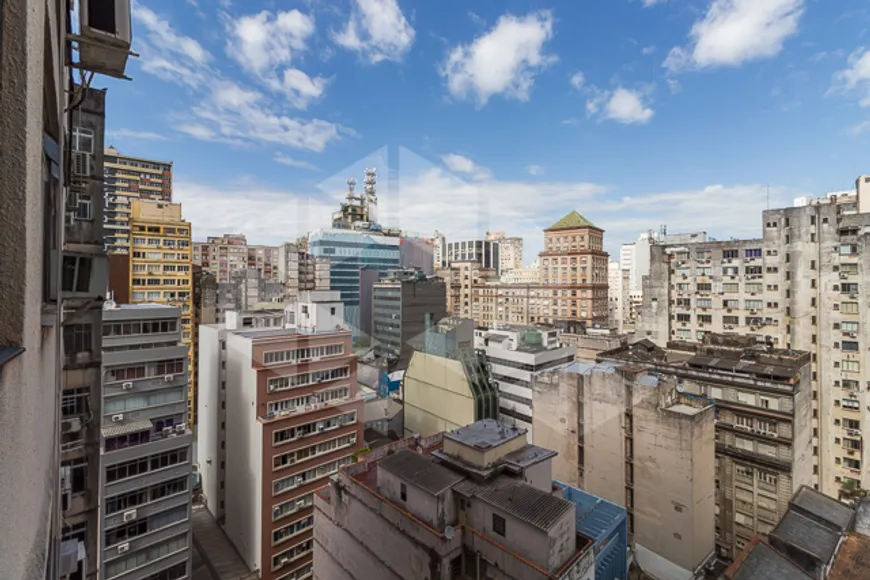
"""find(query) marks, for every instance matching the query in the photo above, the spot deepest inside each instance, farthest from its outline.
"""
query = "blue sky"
(636, 113)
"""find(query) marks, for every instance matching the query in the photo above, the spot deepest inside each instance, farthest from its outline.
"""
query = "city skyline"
(237, 136)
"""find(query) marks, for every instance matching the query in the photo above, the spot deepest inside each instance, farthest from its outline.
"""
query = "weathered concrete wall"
(555, 399)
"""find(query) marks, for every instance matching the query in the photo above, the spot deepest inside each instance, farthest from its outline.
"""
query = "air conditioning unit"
(853, 335)
(300, 504)
(129, 515)
(321, 428)
(73, 425)
(300, 480)
(169, 378)
(81, 166)
(117, 418)
(166, 431)
(180, 428)
(844, 276)
(106, 35)
(127, 386)
(123, 547)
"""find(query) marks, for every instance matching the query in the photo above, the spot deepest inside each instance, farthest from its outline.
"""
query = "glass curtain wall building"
(348, 252)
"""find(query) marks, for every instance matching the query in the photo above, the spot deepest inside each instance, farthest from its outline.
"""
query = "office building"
(439, 250)
(460, 279)
(447, 384)
(510, 251)
(484, 252)
(402, 303)
(799, 287)
(417, 254)
(817, 538)
(516, 355)
(617, 295)
(283, 415)
(161, 270)
(82, 284)
(127, 179)
(146, 448)
(764, 425)
(475, 502)
(222, 256)
(348, 252)
(301, 270)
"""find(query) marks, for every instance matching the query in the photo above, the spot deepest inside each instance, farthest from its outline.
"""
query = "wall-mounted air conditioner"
(129, 515)
(106, 35)
(123, 547)
(127, 386)
(169, 378)
(117, 418)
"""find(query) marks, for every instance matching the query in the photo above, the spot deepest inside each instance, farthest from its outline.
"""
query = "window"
(403, 491)
(732, 320)
(851, 366)
(849, 345)
(84, 207)
(498, 525)
(730, 254)
(681, 317)
(77, 338)
(849, 307)
(752, 253)
(83, 140)
(76, 273)
(731, 287)
(705, 318)
(705, 287)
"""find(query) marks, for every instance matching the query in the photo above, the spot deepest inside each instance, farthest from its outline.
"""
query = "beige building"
(224, 255)
(447, 383)
(510, 251)
(523, 275)
(301, 271)
(629, 436)
(475, 502)
(800, 287)
(127, 179)
(460, 279)
(764, 433)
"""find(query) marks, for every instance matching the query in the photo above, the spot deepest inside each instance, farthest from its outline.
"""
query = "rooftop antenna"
(351, 184)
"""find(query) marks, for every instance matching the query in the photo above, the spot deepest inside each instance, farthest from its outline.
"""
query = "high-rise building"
(417, 254)
(402, 305)
(484, 252)
(460, 280)
(523, 275)
(348, 252)
(146, 449)
(223, 256)
(510, 251)
(282, 416)
(615, 298)
(764, 425)
(475, 502)
(439, 250)
(161, 270)
(83, 282)
(126, 179)
(301, 271)
(798, 287)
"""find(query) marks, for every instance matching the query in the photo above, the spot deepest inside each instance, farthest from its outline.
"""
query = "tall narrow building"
(222, 256)
(127, 179)
(145, 450)
(161, 270)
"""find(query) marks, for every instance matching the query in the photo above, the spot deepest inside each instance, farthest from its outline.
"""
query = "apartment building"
(161, 270)
(283, 415)
(417, 253)
(522, 275)
(764, 425)
(403, 304)
(146, 445)
(628, 435)
(516, 355)
(82, 284)
(348, 252)
(439, 250)
(302, 271)
(221, 256)
(448, 383)
(127, 179)
(484, 252)
(799, 287)
(460, 279)
(510, 251)
(475, 502)
(248, 290)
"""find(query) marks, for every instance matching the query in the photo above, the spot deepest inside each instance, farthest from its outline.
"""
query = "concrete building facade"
(439, 250)
(224, 255)
(523, 275)
(301, 270)
(798, 287)
(460, 279)
(516, 355)
(484, 252)
(146, 445)
(403, 304)
(510, 251)
(126, 179)
(475, 502)
(292, 418)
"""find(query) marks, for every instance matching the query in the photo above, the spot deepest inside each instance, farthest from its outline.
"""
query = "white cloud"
(622, 105)
(860, 128)
(505, 60)
(132, 134)
(736, 31)
(648, 50)
(301, 89)
(856, 77)
(465, 166)
(292, 162)
(377, 30)
(535, 169)
(265, 41)
(167, 54)
(648, 3)
(674, 86)
(577, 80)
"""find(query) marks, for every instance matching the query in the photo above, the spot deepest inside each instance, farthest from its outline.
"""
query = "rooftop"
(807, 535)
(853, 559)
(596, 517)
(485, 434)
(761, 562)
(570, 221)
(521, 500)
(821, 506)
(420, 471)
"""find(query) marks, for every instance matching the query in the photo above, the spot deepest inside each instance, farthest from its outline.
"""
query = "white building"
(517, 354)
(523, 275)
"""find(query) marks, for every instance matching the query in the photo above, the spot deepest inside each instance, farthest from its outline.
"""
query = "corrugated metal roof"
(527, 503)
(125, 428)
(420, 471)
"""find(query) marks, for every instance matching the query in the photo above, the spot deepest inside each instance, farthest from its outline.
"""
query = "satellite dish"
(680, 388)
(448, 532)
